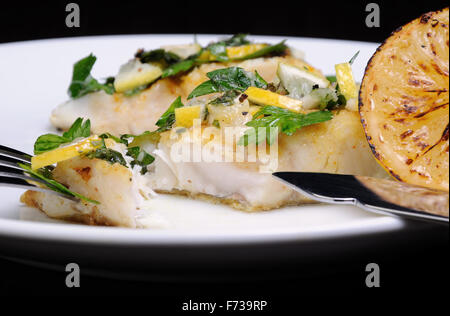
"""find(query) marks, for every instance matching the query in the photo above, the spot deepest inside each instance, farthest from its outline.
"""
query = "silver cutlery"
(371, 194)
(12, 175)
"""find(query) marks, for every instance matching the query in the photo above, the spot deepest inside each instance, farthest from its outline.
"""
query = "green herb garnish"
(140, 158)
(353, 58)
(236, 40)
(216, 123)
(166, 121)
(226, 99)
(107, 154)
(157, 55)
(49, 142)
(82, 81)
(226, 79)
(218, 50)
(268, 50)
(177, 68)
(281, 121)
(115, 138)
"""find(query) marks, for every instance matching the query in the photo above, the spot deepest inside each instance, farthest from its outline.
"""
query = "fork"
(12, 175)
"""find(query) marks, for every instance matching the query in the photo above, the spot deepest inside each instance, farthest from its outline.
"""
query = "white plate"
(34, 77)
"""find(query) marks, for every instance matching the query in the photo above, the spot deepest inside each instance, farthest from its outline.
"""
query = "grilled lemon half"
(403, 102)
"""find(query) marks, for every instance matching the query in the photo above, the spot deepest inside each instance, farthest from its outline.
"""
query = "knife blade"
(372, 194)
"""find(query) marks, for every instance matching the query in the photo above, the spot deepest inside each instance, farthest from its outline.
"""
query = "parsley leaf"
(83, 83)
(153, 137)
(226, 79)
(268, 50)
(78, 129)
(115, 138)
(157, 55)
(227, 98)
(236, 40)
(141, 158)
(107, 154)
(44, 174)
(219, 51)
(235, 78)
(166, 121)
(179, 67)
(281, 121)
(353, 58)
(48, 142)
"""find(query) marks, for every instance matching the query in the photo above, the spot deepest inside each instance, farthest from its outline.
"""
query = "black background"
(416, 264)
(28, 20)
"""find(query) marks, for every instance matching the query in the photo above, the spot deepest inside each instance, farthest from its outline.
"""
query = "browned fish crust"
(296, 199)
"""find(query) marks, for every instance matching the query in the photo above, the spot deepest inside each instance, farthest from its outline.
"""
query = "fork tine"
(12, 175)
(11, 162)
(16, 173)
(23, 184)
(14, 153)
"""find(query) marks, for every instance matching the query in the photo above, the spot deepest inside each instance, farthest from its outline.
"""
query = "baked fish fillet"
(119, 114)
(336, 146)
(119, 190)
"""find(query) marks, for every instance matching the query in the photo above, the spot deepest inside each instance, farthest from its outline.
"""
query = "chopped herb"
(216, 123)
(277, 120)
(335, 104)
(260, 80)
(226, 99)
(82, 81)
(327, 98)
(268, 50)
(44, 175)
(204, 88)
(140, 158)
(218, 50)
(226, 79)
(236, 40)
(49, 142)
(236, 78)
(115, 138)
(157, 55)
(353, 58)
(166, 121)
(107, 154)
(78, 129)
(179, 67)
(147, 135)
(205, 113)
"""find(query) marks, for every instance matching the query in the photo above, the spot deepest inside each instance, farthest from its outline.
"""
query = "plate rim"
(80, 233)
